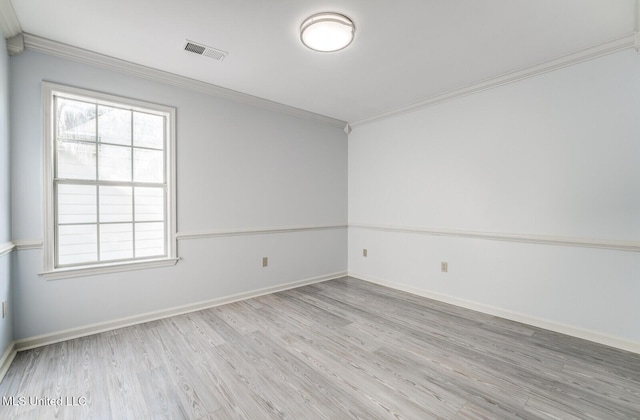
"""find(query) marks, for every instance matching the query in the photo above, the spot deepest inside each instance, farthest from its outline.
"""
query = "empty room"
(320, 210)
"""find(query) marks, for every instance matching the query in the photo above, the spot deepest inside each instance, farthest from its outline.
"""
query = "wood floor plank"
(545, 408)
(327, 398)
(124, 387)
(368, 382)
(237, 395)
(245, 367)
(190, 389)
(341, 349)
(470, 332)
(160, 395)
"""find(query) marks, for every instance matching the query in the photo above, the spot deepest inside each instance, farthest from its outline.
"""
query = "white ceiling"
(404, 50)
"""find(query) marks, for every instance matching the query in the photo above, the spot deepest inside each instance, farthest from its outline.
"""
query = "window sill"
(64, 273)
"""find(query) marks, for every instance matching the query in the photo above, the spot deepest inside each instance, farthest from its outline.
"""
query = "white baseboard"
(590, 335)
(7, 359)
(56, 337)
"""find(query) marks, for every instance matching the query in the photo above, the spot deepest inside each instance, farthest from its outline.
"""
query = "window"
(109, 183)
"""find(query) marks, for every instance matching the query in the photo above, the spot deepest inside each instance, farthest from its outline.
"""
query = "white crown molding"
(15, 44)
(83, 331)
(609, 47)
(6, 248)
(80, 55)
(9, 23)
(259, 231)
(632, 246)
(585, 334)
(28, 244)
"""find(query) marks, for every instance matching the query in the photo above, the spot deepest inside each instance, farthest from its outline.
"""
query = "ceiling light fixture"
(327, 32)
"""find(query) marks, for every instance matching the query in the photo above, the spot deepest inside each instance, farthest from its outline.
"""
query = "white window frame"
(49, 90)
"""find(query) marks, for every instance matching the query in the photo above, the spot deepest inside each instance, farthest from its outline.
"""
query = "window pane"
(114, 125)
(76, 203)
(77, 244)
(109, 179)
(116, 204)
(76, 160)
(148, 165)
(116, 241)
(76, 120)
(149, 204)
(148, 130)
(150, 239)
(114, 163)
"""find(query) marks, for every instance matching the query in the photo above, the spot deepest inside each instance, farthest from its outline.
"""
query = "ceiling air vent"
(200, 49)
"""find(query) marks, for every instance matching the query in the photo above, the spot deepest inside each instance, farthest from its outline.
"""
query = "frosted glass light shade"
(327, 32)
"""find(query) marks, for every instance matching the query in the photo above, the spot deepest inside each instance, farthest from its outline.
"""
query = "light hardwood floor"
(340, 349)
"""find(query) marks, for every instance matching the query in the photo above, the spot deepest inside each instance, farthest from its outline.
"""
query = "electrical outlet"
(265, 261)
(364, 252)
(444, 267)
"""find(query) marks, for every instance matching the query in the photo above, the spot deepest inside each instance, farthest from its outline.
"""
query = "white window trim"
(48, 150)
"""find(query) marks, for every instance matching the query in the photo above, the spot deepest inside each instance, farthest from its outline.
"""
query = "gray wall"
(239, 167)
(6, 328)
(556, 155)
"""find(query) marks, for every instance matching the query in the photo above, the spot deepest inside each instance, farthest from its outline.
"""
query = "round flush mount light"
(327, 32)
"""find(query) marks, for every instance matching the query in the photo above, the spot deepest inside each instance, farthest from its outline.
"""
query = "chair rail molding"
(253, 231)
(633, 246)
(6, 248)
(24, 244)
